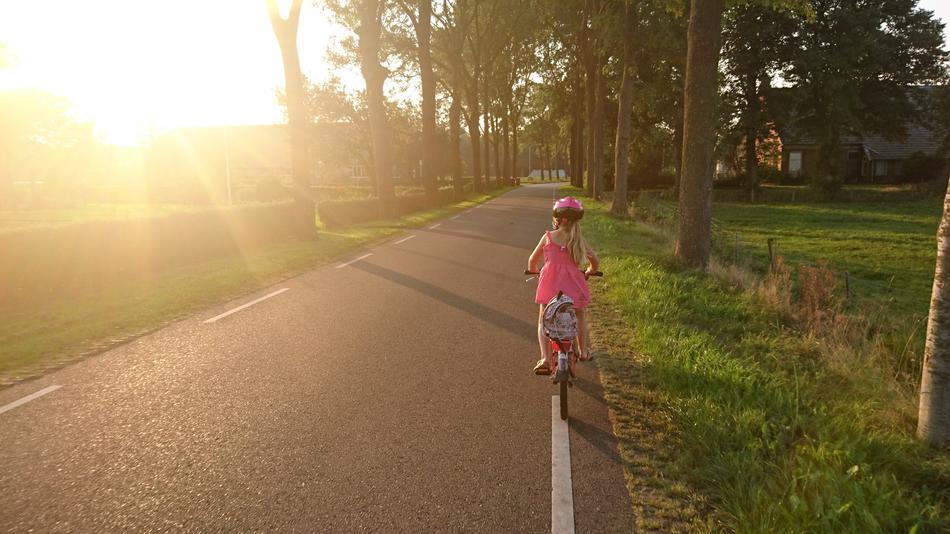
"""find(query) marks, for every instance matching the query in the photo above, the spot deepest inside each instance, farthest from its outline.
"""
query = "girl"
(564, 250)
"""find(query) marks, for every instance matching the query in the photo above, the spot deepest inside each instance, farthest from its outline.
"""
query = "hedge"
(336, 213)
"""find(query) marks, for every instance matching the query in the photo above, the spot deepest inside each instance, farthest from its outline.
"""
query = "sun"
(137, 68)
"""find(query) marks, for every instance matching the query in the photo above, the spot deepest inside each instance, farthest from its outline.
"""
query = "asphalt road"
(394, 394)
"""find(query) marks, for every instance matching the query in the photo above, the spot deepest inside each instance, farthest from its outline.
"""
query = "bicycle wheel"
(563, 385)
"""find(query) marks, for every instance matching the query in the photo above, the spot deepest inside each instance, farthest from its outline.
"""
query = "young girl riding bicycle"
(564, 250)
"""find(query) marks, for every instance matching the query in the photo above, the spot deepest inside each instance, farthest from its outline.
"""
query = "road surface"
(389, 392)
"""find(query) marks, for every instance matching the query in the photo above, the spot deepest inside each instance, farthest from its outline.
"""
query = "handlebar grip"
(526, 271)
(596, 273)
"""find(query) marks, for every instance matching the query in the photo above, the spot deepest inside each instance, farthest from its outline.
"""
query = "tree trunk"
(455, 132)
(496, 139)
(751, 133)
(933, 419)
(516, 160)
(624, 107)
(541, 159)
(286, 32)
(506, 156)
(474, 136)
(598, 132)
(486, 147)
(694, 239)
(375, 75)
(423, 33)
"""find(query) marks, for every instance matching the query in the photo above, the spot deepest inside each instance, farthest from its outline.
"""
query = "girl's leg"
(542, 339)
(583, 335)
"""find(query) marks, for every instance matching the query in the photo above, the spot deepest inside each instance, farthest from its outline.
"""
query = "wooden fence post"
(771, 256)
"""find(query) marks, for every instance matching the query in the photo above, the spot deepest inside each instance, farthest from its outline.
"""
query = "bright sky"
(135, 66)
(140, 66)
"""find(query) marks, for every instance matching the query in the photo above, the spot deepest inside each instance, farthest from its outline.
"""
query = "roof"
(918, 139)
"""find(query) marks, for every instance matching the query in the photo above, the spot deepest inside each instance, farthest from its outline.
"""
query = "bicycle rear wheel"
(563, 399)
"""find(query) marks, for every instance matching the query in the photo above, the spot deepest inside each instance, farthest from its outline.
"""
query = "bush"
(826, 185)
(920, 167)
(271, 189)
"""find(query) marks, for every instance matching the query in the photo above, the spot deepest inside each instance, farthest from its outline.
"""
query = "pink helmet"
(568, 208)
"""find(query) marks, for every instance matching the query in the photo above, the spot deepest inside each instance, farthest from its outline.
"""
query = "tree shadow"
(500, 319)
(602, 440)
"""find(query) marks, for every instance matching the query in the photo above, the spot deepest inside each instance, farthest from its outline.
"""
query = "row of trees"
(637, 80)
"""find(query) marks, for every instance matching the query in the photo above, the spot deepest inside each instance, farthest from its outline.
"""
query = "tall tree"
(694, 239)
(933, 421)
(369, 33)
(624, 106)
(286, 32)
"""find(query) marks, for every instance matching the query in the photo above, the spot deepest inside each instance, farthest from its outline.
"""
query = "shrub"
(826, 185)
(336, 213)
(920, 167)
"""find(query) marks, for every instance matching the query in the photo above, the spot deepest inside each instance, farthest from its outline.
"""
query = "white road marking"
(28, 398)
(351, 262)
(456, 217)
(403, 240)
(434, 226)
(249, 304)
(562, 493)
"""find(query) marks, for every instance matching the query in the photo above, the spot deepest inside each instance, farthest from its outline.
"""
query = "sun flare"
(137, 68)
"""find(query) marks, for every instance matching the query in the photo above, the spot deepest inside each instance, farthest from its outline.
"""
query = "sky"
(141, 67)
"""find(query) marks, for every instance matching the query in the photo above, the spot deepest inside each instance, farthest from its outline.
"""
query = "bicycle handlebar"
(595, 273)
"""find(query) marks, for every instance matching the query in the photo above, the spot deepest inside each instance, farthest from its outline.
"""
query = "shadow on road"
(502, 320)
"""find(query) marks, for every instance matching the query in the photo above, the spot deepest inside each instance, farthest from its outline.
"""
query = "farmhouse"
(871, 158)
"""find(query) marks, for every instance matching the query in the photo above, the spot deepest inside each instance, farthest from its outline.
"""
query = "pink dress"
(560, 273)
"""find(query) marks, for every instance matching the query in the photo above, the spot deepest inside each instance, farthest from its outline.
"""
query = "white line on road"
(456, 217)
(249, 304)
(403, 240)
(28, 398)
(562, 493)
(351, 262)
(434, 226)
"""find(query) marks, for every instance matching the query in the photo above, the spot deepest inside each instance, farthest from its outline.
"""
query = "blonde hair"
(576, 244)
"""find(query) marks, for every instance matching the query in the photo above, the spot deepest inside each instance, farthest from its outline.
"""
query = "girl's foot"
(541, 368)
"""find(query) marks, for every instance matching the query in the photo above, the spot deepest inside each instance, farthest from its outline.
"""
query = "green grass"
(888, 249)
(766, 428)
(11, 220)
(50, 331)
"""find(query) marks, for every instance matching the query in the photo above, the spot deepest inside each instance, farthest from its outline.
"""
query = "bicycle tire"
(563, 399)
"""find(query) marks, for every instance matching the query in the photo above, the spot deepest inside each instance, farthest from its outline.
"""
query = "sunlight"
(140, 68)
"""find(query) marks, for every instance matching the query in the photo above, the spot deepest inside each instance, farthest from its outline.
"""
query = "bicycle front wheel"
(563, 399)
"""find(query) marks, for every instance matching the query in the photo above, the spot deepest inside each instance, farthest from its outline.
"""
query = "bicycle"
(562, 350)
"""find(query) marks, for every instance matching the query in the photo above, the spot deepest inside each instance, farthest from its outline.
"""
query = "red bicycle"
(560, 326)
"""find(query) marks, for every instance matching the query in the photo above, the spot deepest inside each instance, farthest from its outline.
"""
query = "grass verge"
(50, 332)
(733, 417)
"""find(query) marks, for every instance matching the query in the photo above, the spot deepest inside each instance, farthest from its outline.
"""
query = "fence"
(761, 254)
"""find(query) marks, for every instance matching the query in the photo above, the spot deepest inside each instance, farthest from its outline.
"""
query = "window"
(795, 163)
(880, 168)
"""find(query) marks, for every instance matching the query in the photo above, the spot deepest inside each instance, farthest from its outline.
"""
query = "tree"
(286, 32)
(854, 63)
(933, 421)
(368, 31)
(757, 45)
(624, 106)
(420, 15)
(694, 239)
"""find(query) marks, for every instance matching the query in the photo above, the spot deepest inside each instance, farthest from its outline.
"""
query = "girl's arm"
(592, 259)
(535, 257)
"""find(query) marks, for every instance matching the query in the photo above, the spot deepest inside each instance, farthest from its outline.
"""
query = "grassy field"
(888, 249)
(47, 332)
(734, 416)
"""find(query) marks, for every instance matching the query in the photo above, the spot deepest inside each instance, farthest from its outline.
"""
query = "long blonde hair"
(576, 244)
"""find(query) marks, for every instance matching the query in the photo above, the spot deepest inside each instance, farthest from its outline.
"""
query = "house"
(870, 158)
